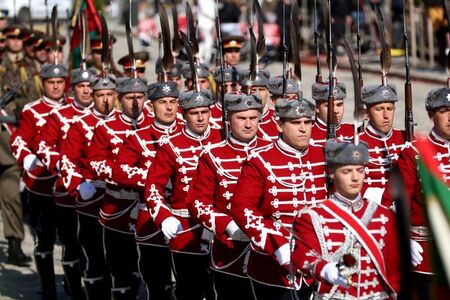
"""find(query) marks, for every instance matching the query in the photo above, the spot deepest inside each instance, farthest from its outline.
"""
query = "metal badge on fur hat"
(321, 91)
(346, 153)
(201, 69)
(100, 83)
(438, 98)
(230, 74)
(160, 90)
(242, 102)
(294, 108)
(53, 71)
(261, 78)
(375, 94)
(193, 99)
(132, 85)
(80, 75)
(276, 86)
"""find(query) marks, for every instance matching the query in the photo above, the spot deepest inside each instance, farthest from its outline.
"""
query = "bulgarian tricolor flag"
(88, 8)
(437, 206)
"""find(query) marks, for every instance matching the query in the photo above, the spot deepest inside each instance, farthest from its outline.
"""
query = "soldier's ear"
(280, 126)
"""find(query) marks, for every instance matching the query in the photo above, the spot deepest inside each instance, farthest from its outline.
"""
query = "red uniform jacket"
(209, 198)
(384, 152)
(216, 116)
(130, 171)
(49, 140)
(408, 170)
(24, 141)
(74, 161)
(319, 132)
(119, 208)
(268, 126)
(274, 185)
(321, 238)
(176, 160)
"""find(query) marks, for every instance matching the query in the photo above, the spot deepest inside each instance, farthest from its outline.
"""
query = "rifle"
(222, 75)
(316, 43)
(409, 119)
(332, 63)
(10, 95)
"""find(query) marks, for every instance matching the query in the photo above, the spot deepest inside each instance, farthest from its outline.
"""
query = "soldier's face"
(83, 93)
(165, 110)
(230, 87)
(203, 82)
(441, 121)
(348, 179)
(232, 56)
(29, 50)
(14, 44)
(322, 111)
(52, 56)
(296, 132)
(176, 79)
(104, 101)
(264, 92)
(41, 55)
(197, 119)
(381, 116)
(54, 88)
(244, 124)
(96, 59)
(132, 104)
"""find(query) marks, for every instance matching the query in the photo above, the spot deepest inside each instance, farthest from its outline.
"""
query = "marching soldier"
(96, 54)
(213, 185)
(89, 192)
(274, 185)
(38, 180)
(176, 160)
(232, 45)
(120, 205)
(320, 93)
(268, 125)
(15, 71)
(130, 171)
(276, 89)
(202, 76)
(438, 108)
(385, 142)
(49, 153)
(348, 245)
(231, 83)
(140, 58)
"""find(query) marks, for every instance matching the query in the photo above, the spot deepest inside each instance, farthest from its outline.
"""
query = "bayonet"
(167, 59)
(55, 43)
(358, 45)
(332, 64)
(294, 41)
(47, 21)
(191, 31)
(105, 46)
(190, 55)
(284, 50)
(176, 41)
(409, 119)
(316, 43)
(222, 74)
(385, 55)
(84, 32)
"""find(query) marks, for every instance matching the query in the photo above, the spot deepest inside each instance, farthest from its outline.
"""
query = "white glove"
(170, 227)
(416, 250)
(30, 162)
(283, 255)
(374, 194)
(331, 274)
(235, 233)
(87, 190)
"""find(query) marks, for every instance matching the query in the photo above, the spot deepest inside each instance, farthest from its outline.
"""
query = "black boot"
(72, 275)
(93, 288)
(15, 253)
(46, 271)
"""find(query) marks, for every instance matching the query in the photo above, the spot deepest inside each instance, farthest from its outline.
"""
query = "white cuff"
(283, 254)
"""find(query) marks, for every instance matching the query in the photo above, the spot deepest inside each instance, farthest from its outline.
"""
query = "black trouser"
(193, 276)
(227, 286)
(422, 285)
(43, 221)
(267, 292)
(90, 234)
(121, 258)
(67, 227)
(156, 272)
